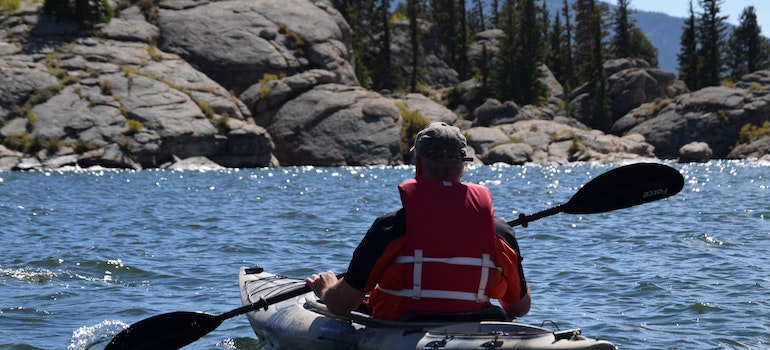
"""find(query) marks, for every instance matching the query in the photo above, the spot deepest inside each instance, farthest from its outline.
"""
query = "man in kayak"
(442, 252)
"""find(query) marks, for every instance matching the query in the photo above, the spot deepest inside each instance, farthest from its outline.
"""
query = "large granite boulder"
(237, 42)
(335, 124)
(714, 115)
(632, 82)
(115, 100)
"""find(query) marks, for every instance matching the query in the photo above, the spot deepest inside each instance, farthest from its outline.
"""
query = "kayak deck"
(305, 323)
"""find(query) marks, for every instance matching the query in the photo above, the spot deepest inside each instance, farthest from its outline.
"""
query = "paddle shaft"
(264, 303)
(524, 220)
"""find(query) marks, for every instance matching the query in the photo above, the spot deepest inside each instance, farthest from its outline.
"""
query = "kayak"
(303, 322)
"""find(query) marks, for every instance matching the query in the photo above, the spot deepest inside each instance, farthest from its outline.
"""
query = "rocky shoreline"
(267, 83)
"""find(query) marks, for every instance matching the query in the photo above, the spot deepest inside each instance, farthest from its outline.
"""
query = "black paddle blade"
(625, 187)
(163, 332)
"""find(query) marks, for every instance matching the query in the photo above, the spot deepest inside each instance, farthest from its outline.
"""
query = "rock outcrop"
(255, 83)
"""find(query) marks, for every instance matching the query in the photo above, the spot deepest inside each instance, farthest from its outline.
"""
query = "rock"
(131, 30)
(756, 149)
(270, 94)
(333, 125)
(510, 153)
(430, 109)
(760, 78)
(698, 152)
(483, 138)
(194, 163)
(434, 69)
(714, 115)
(237, 42)
(554, 142)
(493, 112)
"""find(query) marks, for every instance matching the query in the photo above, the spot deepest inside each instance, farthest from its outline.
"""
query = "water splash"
(96, 336)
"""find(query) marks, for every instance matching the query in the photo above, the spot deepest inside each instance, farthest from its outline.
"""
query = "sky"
(730, 8)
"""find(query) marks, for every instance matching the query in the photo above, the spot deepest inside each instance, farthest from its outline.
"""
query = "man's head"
(440, 152)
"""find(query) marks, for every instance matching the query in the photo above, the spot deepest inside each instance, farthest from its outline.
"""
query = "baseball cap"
(441, 142)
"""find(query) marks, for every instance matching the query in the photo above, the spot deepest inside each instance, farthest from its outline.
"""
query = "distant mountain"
(662, 30)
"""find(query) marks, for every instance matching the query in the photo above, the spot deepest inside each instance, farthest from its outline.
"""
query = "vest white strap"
(484, 276)
(438, 294)
(416, 292)
(417, 274)
(454, 261)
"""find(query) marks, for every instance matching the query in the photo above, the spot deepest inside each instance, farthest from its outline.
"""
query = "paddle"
(174, 330)
(618, 188)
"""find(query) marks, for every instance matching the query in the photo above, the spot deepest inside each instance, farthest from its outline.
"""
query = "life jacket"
(447, 260)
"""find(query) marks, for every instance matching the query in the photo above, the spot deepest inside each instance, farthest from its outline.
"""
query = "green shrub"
(575, 146)
(756, 86)
(413, 122)
(222, 123)
(22, 142)
(86, 12)
(133, 126)
(751, 132)
(207, 110)
(11, 5)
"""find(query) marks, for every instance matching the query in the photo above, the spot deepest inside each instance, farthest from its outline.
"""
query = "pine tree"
(590, 55)
(504, 64)
(554, 52)
(477, 22)
(462, 64)
(569, 79)
(587, 23)
(641, 47)
(688, 52)
(413, 11)
(711, 43)
(357, 14)
(529, 61)
(620, 44)
(382, 66)
(749, 50)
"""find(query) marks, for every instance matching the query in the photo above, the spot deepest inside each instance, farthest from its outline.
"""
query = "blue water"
(85, 253)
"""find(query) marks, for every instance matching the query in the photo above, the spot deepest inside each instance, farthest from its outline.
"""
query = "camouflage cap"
(441, 142)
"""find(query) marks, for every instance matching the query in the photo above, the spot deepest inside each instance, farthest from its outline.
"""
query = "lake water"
(85, 253)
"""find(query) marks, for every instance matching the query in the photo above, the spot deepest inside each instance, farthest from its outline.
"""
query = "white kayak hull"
(304, 323)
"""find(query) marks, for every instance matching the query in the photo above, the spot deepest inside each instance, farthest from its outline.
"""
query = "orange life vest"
(447, 261)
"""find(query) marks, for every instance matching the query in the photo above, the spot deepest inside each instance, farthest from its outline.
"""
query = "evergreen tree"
(449, 17)
(688, 52)
(495, 13)
(641, 47)
(569, 79)
(711, 44)
(749, 50)
(462, 65)
(382, 66)
(503, 79)
(590, 55)
(413, 11)
(587, 23)
(529, 89)
(357, 14)
(620, 43)
(477, 22)
(554, 52)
